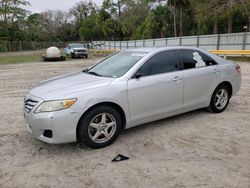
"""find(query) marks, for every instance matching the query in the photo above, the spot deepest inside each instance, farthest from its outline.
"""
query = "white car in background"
(76, 50)
(127, 89)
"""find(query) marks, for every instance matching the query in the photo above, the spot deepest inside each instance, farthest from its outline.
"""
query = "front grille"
(29, 104)
(81, 50)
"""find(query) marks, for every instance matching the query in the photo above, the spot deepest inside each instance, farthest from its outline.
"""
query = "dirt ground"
(197, 149)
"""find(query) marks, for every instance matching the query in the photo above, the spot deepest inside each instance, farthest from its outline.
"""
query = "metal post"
(127, 44)
(244, 40)
(143, 42)
(20, 46)
(114, 45)
(109, 45)
(198, 41)
(180, 41)
(10, 48)
(135, 43)
(5, 47)
(218, 42)
(166, 41)
(120, 45)
(153, 42)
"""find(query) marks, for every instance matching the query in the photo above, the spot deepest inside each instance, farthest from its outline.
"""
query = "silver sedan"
(127, 89)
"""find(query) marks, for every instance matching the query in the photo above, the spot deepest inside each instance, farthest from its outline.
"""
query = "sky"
(38, 6)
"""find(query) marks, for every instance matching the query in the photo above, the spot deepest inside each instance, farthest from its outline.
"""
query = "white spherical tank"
(53, 52)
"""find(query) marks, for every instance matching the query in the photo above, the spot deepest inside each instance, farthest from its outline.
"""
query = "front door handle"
(216, 71)
(176, 78)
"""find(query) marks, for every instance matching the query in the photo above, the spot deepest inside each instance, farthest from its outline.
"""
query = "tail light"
(238, 68)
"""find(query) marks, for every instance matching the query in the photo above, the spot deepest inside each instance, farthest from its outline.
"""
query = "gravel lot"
(197, 149)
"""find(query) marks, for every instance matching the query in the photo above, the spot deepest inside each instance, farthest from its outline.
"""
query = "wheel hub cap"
(102, 128)
(221, 99)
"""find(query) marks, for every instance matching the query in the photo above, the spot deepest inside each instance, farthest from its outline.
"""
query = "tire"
(99, 127)
(86, 56)
(72, 55)
(220, 99)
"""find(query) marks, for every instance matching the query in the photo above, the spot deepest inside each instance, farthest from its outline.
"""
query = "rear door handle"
(176, 78)
(216, 71)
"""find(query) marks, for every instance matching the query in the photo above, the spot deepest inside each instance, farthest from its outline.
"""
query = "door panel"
(200, 75)
(155, 95)
(198, 85)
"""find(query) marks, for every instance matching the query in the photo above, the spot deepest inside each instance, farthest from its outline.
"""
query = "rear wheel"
(99, 127)
(220, 99)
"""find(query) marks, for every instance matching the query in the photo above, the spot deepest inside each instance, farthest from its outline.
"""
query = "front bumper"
(80, 53)
(62, 124)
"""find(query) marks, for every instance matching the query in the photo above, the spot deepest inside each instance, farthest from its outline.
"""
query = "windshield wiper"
(94, 73)
(86, 70)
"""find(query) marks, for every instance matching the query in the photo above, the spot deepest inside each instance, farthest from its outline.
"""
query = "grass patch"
(24, 58)
(241, 59)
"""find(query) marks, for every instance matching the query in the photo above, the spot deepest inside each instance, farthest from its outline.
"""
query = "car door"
(157, 88)
(200, 75)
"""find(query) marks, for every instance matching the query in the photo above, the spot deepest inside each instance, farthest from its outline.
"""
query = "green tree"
(219, 11)
(11, 10)
(114, 8)
(134, 14)
(90, 30)
(80, 11)
(111, 29)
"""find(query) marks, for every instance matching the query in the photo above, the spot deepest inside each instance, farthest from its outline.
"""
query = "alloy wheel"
(221, 98)
(102, 127)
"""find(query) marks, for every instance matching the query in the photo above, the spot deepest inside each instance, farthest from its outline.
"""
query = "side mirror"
(137, 75)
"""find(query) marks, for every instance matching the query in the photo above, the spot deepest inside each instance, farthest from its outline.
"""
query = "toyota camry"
(126, 89)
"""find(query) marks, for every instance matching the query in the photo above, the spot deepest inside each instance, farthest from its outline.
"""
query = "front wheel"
(99, 127)
(220, 99)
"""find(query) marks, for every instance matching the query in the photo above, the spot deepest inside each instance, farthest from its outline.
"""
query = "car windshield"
(76, 46)
(117, 64)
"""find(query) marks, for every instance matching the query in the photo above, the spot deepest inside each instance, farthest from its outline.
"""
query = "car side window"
(208, 60)
(194, 59)
(162, 62)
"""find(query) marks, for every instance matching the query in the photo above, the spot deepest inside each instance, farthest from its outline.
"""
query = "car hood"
(68, 85)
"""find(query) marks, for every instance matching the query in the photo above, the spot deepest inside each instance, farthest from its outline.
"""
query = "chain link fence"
(232, 41)
(13, 46)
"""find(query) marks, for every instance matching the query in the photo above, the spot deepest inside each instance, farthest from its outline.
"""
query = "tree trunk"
(215, 26)
(230, 24)
(5, 20)
(181, 21)
(175, 32)
(230, 17)
(249, 23)
(119, 8)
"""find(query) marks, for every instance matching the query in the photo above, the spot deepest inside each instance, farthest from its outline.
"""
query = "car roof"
(151, 50)
(155, 49)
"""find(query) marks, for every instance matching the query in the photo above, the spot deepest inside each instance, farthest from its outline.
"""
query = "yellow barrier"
(230, 52)
(102, 52)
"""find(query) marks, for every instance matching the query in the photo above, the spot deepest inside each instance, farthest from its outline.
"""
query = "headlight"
(50, 106)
